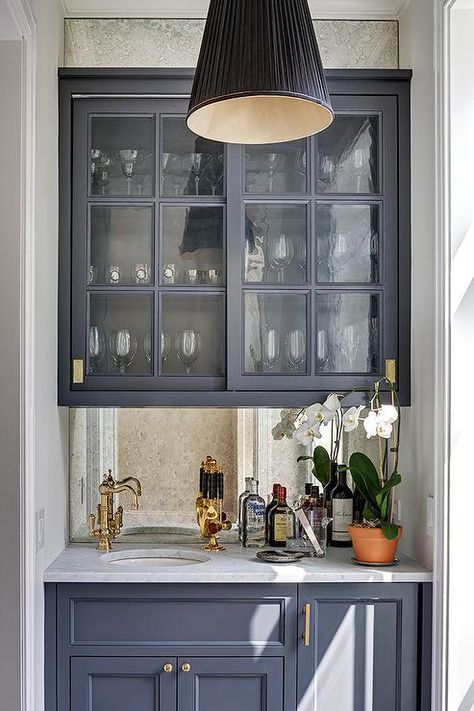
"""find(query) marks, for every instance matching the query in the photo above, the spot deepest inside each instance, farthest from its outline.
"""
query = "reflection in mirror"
(278, 169)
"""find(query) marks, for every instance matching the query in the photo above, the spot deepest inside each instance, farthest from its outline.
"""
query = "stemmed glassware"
(128, 160)
(301, 162)
(358, 165)
(96, 348)
(338, 255)
(188, 347)
(280, 253)
(273, 159)
(165, 346)
(301, 257)
(270, 348)
(123, 348)
(215, 172)
(322, 351)
(295, 348)
(350, 345)
(195, 163)
(327, 171)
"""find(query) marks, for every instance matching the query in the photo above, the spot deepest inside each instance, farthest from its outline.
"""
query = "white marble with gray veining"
(175, 43)
(85, 564)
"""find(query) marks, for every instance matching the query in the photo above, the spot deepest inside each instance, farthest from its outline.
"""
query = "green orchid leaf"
(369, 515)
(394, 480)
(384, 494)
(389, 530)
(365, 476)
(321, 465)
(304, 458)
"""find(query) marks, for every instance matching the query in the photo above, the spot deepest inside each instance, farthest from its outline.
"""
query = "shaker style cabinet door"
(122, 684)
(233, 684)
(361, 647)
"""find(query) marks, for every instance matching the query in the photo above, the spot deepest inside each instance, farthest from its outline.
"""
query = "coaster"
(376, 565)
(279, 556)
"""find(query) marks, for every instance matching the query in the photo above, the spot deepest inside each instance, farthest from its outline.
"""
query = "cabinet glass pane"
(348, 333)
(122, 158)
(279, 169)
(348, 156)
(120, 245)
(193, 334)
(119, 338)
(348, 243)
(275, 243)
(190, 165)
(276, 338)
(192, 245)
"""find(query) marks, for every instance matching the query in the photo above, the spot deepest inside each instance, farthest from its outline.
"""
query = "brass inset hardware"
(391, 370)
(210, 517)
(307, 624)
(77, 371)
(186, 667)
(110, 523)
(168, 668)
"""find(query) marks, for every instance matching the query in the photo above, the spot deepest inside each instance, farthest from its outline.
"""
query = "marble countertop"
(85, 564)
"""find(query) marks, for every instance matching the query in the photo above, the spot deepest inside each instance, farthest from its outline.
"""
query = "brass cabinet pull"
(186, 667)
(307, 624)
(168, 668)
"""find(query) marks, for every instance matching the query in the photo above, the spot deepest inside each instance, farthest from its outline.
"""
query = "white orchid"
(379, 422)
(370, 424)
(387, 414)
(332, 403)
(320, 414)
(278, 431)
(384, 429)
(351, 417)
(307, 433)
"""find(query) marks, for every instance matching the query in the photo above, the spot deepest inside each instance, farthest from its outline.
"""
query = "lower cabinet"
(273, 647)
(169, 684)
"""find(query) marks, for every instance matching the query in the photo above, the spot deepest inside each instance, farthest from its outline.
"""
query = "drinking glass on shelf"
(327, 171)
(191, 276)
(280, 252)
(358, 165)
(165, 346)
(123, 348)
(128, 160)
(301, 256)
(295, 348)
(350, 345)
(273, 160)
(147, 346)
(113, 274)
(215, 172)
(301, 162)
(338, 255)
(195, 163)
(96, 348)
(270, 348)
(188, 347)
(141, 273)
(322, 351)
(169, 273)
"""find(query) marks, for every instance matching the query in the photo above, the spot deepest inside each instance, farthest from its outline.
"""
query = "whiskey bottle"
(253, 524)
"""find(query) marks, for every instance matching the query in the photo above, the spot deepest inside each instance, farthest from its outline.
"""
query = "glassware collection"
(122, 346)
(192, 174)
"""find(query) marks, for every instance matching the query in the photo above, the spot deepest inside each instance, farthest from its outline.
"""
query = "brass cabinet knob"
(168, 668)
(186, 667)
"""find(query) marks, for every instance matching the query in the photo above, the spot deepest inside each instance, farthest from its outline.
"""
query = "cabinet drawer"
(175, 616)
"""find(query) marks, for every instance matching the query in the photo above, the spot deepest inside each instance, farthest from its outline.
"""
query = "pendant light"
(259, 77)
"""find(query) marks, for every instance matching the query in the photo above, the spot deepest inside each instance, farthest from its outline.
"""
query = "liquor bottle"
(281, 522)
(302, 498)
(253, 522)
(328, 489)
(342, 503)
(273, 502)
(242, 497)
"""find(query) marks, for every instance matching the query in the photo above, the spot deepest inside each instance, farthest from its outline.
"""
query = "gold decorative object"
(110, 523)
(211, 518)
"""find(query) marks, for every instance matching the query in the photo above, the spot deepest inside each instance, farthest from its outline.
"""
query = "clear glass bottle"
(253, 523)
(342, 512)
(242, 497)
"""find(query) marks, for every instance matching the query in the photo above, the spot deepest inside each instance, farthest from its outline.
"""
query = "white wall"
(10, 422)
(461, 569)
(418, 449)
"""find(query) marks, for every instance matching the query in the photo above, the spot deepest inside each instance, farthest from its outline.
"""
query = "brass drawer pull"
(186, 667)
(307, 624)
(168, 668)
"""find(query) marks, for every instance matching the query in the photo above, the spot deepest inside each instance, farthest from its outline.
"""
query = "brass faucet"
(110, 523)
(211, 518)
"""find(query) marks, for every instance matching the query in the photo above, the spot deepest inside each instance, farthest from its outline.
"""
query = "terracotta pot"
(371, 546)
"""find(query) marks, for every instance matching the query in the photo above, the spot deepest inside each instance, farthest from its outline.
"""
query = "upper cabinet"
(198, 273)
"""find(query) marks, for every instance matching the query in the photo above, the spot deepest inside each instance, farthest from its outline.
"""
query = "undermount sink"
(155, 558)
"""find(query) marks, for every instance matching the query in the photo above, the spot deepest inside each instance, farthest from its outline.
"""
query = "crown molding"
(320, 9)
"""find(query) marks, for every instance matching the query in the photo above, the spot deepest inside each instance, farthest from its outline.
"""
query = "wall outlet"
(429, 515)
(39, 516)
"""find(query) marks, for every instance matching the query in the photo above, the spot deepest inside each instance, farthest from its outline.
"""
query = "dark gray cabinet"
(195, 273)
(359, 647)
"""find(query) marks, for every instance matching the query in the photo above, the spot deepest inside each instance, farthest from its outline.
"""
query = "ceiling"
(322, 9)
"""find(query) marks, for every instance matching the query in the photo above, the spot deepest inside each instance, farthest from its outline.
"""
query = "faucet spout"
(110, 523)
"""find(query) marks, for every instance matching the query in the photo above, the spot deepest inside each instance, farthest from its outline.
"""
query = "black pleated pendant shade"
(259, 77)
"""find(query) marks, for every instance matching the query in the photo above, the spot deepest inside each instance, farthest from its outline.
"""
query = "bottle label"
(280, 527)
(342, 517)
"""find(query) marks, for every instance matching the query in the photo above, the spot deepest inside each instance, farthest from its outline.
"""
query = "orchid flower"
(307, 433)
(350, 419)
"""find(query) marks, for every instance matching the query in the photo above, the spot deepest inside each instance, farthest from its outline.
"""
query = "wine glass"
(338, 256)
(128, 159)
(270, 348)
(358, 165)
(215, 172)
(196, 163)
(280, 254)
(301, 257)
(147, 346)
(188, 347)
(302, 162)
(295, 348)
(96, 348)
(322, 351)
(327, 171)
(273, 159)
(165, 346)
(350, 345)
(104, 163)
(123, 347)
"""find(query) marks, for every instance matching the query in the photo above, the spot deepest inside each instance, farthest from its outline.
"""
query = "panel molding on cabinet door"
(233, 684)
(362, 648)
(123, 684)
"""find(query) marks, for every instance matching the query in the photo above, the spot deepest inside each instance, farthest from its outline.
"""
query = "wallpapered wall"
(164, 447)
